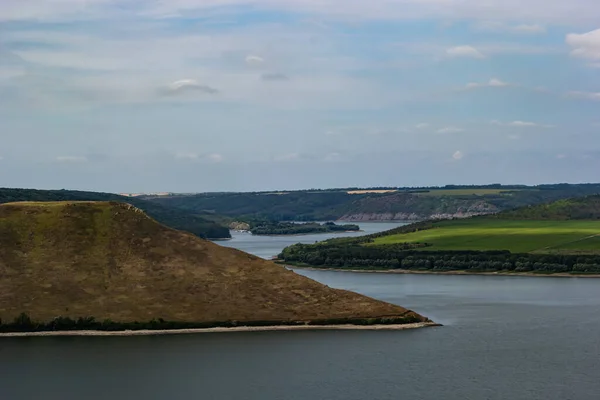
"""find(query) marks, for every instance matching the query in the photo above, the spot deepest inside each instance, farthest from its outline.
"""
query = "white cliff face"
(478, 208)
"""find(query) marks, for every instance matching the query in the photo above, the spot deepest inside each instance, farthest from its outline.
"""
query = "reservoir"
(503, 338)
(269, 246)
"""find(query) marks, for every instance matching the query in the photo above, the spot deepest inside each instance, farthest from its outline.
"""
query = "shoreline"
(274, 328)
(304, 234)
(464, 273)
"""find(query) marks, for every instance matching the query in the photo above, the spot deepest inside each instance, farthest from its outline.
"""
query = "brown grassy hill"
(111, 261)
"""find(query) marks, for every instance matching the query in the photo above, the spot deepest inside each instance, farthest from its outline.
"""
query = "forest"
(334, 204)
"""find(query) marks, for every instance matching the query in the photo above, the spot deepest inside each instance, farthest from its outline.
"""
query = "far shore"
(390, 327)
(413, 272)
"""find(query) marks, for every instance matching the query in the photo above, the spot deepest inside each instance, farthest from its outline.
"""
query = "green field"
(517, 236)
(463, 192)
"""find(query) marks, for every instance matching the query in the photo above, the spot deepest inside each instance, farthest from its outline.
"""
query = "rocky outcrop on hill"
(406, 207)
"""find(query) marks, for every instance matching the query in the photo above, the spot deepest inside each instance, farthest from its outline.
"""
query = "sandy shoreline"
(411, 272)
(224, 330)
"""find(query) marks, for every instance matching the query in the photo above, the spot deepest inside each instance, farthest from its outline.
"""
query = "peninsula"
(107, 266)
(561, 237)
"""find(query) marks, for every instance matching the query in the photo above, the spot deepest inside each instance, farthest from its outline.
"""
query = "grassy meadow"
(463, 192)
(576, 236)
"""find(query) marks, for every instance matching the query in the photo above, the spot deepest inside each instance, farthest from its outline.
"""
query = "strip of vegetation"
(23, 323)
(402, 256)
(290, 228)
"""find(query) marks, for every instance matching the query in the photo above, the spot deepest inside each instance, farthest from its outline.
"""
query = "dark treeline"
(289, 228)
(169, 216)
(408, 256)
(23, 323)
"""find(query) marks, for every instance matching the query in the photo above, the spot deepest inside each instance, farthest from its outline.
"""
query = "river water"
(269, 246)
(515, 338)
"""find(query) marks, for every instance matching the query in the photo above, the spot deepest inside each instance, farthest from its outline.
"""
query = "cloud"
(287, 157)
(499, 26)
(586, 45)
(422, 125)
(585, 95)
(188, 85)
(464, 51)
(525, 28)
(458, 155)
(215, 157)
(508, 10)
(332, 157)
(494, 82)
(450, 129)
(254, 61)
(187, 156)
(71, 159)
(561, 156)
(274, 77)
(521, 124)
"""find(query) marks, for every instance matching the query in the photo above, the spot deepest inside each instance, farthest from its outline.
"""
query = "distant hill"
(111, 261)
(173, 217)
(354, 204)
(580, 208)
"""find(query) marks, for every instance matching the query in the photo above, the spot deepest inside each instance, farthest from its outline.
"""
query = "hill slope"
(580, 208)
(111, 261)
(173, 217)
(368, 205)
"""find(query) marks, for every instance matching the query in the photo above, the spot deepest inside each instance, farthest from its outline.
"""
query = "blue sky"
(191, 95)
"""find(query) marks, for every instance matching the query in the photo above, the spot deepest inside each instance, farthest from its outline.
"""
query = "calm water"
(269, 246)
(504, 338)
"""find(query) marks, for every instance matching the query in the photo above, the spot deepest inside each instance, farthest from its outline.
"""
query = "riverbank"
(413, 272)
(225, 330)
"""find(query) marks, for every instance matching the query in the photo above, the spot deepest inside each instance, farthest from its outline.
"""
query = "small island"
(292, 228)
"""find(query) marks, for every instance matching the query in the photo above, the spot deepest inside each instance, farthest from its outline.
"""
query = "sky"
(238, 95)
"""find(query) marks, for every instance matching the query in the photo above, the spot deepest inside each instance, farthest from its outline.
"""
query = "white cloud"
(189, 85)
(71, 159)
(450, 129)
(464, 51)
(187, 156)
(585, 95)
(252, 60)
(332, 157)
(514, 137)
(494, 82)
(525, 28)
(287, 157)
(500, 26)
(536, 10)
(586, 45)
(458, 155)
(274, 76)
(215, 157)
(521, 124)
(561, 156)
(422, 125)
